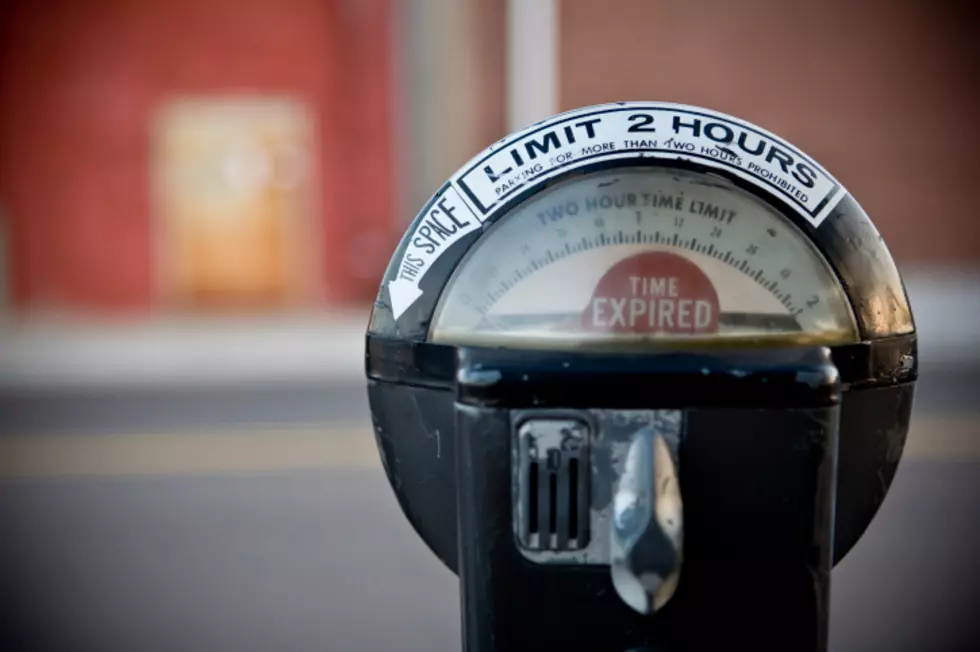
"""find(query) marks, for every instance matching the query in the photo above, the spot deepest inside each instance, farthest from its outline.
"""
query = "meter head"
(638, 229)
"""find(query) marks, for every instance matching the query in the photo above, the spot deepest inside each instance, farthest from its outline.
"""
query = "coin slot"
(552, 503)
(533, 503)
(573, 499)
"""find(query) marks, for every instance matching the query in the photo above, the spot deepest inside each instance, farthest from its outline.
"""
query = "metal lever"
(647, 523)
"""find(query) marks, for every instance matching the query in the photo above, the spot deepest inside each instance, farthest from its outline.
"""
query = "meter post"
(670, 502)
(641, 374)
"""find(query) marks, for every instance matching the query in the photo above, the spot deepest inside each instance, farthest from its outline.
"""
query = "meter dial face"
(643, 257)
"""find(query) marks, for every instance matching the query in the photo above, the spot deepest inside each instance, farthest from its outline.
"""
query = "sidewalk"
(329, 347)
(216, 351)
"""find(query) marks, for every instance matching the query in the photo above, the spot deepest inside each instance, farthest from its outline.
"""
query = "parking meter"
(641, 374)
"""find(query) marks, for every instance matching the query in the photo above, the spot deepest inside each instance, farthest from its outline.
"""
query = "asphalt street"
(257, 518)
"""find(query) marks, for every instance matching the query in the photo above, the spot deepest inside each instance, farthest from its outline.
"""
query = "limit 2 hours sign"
(608, 133)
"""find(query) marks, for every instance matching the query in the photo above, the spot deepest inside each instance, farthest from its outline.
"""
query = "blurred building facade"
(191, 155)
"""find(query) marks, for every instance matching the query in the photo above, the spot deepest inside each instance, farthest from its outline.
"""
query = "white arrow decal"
(402, 294)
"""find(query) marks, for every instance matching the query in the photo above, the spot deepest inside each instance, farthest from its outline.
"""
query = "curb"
(322, 348)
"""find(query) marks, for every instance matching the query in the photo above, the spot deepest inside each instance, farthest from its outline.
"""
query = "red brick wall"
(79, 83)
(884, 93)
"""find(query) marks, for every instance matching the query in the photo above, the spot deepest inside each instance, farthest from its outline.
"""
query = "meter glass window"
(643, 256)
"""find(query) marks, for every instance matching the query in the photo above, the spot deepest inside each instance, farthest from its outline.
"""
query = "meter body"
(641, 373)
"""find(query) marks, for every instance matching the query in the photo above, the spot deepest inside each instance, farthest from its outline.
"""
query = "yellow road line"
(191, 453)
(317, 447)
(953, 437)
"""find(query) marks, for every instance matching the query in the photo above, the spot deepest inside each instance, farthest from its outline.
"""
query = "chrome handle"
(647, 524)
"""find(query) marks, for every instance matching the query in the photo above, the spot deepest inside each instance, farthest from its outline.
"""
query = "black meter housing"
(641, 281)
